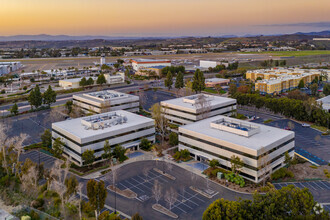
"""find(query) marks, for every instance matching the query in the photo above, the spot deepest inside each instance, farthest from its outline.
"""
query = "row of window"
(96, 106)
(103, 139)
(196, 114)
(236, 151)
(228, 159)
(112, 146)
(224, 113)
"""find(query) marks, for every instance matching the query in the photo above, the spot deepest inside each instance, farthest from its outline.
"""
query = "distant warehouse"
(105, 101)
(261, 148)
(189, 109)
(90, 133)
(8, 67)
(110, 79)
(137, 64)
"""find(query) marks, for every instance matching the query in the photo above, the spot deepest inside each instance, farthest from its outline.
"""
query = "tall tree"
(314, 88)
(236, 164)
(179, 83)
(88, 156)
(14, 109)
(101, 79)
(83, 82)
(49, 96)
(96, 193)
(90, 81)
(46, 138)
(68, 106)
(301, 84)
(169, 80)
(107, 150)
(161, 122)
(198, 83)
(35, 97)
(58, 147)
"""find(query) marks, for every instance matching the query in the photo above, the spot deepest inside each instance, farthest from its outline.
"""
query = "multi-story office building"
(282, 79)
(106, 101)
(189, 109)
(118, 127)
(222, 137)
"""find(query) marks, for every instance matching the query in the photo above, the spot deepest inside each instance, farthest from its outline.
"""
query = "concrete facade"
(106, 101)
(189, 109)
(222, 137)
(118, 127)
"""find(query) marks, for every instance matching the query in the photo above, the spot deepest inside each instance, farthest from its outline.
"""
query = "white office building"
(222, 137)
(211, 63)
(118, 127)
(106, 101)
(189, 109)
(146, 63)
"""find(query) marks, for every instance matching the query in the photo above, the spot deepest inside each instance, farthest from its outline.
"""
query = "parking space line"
(142, 183)
(310, 185)
(160, 176)
(195, 197)
(189, 200)
(324, 184)
(182, 203)
(318, 185)
(179, 208)
(133, 185)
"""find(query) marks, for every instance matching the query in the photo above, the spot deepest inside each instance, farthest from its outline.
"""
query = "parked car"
(305, 125)
(287, 128)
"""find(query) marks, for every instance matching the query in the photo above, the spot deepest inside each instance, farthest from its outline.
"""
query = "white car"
(306, 125)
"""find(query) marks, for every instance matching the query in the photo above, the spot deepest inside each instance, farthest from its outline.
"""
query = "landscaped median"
(165, 174)
(126, 192)
(164, 210)
(201, 192)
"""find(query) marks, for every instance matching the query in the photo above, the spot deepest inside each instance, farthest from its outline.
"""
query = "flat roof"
(78, 126)
(189, 102)
(263, 135)
(77, 79)
(150, 61)
(216, 80)
(106, 95)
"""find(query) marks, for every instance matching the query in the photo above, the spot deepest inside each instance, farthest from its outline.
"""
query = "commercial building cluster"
(201, 122)
(277, 80)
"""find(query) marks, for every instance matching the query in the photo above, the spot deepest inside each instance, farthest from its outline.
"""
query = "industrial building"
(209, 63)
(145, 63)
(279, 80)
(8, 67)
(212, 82)
(106, 101)
(90, 133)
(189, 109)
(74, 82)
(261, 148)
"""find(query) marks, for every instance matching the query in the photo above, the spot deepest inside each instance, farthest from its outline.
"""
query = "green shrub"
(34, 215)
(234, 178)
(282, 173)
(177, 155)
(214, 163)
(173, 139)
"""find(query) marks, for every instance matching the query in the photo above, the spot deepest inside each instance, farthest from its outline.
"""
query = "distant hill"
(46, 37)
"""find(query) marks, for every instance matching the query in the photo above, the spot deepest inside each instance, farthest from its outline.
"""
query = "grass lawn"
(268, 121)
(213, 91)
(320, 128)
(292, 53)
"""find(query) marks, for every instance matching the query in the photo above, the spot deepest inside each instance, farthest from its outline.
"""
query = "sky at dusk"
(162, 17)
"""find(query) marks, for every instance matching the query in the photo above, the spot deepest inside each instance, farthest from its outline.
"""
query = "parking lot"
(308, 141)
(35, 155)
(152, 97)
(189, 204)
(320, 188)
